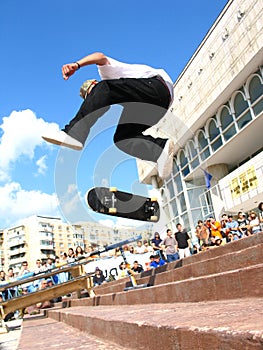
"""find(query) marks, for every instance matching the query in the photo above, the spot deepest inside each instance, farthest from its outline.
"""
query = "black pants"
(144, 101)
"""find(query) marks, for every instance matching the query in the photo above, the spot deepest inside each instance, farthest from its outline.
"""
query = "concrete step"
(164, 274)
(244, 282)
(46, 333)
(227, 324)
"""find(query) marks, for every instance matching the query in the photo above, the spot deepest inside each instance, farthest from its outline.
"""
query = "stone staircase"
(211, 300)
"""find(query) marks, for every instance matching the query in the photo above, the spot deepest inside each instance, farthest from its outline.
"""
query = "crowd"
(209, 233)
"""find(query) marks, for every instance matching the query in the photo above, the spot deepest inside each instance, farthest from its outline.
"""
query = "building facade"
(216, 121)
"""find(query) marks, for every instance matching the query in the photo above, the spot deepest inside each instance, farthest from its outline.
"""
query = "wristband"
(78, 65)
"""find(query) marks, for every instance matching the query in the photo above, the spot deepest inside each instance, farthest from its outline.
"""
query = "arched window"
(256, 94)
(242, 111)
(214, 135)
(193, 154)
(203, 145)
(184, 163)
(227, 123)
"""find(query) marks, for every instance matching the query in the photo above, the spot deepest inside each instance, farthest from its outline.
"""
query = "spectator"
(50, 264)
(49, 282)
(195, 249)
(147, 248)
(223, 223)
(202, 233)
(215, 227)
(137, 268)
(117, 252)
(24, 269)
(157, 261)
(156, 244)
(254, 223)
(218, 241)
(230, 238)
(123, 271)
(71, 256)
(232, 226)
(183, 241)
(243, 224)
(260, 208)
(139, 249)
(131, 249)
(2, 275)
(79, 252)
(98, 278)
(170, 246)
(38, 267)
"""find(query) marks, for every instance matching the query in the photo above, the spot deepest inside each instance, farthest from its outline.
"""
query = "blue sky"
(37, 38)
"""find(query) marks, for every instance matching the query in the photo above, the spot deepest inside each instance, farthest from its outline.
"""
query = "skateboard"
(112, 202)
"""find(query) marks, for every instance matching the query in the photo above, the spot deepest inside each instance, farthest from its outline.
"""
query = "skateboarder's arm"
(95, 58)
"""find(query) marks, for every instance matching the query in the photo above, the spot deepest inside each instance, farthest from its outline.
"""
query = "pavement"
(9, 340)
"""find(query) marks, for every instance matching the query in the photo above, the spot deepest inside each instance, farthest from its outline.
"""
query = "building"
(216, 121)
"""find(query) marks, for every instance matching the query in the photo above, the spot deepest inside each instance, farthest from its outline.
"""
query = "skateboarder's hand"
(69, 69)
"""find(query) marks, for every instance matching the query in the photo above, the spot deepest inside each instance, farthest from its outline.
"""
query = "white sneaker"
(165, 161)
(61, 138)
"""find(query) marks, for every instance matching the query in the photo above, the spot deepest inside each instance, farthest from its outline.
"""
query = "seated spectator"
(254, 223)
(131, 250)
(38, 268)
(196, 249)
(137, 268)
(98, 278)
(218, 241)
(202, 232)
(260, 215)
(139, 249)
(117, 252)
(79, 252)
(71, 255)
(50, 264)
(232, 226)
(24, 269)
(123, 271)
(157, 261)
(215, 227)
(223, 222)
(243, 224)
(35, 309)
(147, 248)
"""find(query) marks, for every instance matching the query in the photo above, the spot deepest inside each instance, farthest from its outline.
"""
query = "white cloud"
(21, 134)
(17, 203)
(42, 166)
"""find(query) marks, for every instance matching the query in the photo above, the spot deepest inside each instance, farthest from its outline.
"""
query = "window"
(256, 94)
(227, 123)
(214, 134)
(174, 208)
(194, 161)
(184, 163)
(203, 145)
(242, 112)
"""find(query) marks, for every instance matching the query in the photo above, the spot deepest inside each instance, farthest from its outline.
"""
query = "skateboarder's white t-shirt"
(116, 70)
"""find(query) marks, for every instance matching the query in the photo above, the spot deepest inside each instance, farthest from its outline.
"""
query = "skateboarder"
(145, 94)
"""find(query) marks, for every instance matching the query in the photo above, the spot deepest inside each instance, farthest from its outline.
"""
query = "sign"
(243, 183)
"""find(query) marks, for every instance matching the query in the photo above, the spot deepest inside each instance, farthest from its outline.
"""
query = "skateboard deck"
(112, 202)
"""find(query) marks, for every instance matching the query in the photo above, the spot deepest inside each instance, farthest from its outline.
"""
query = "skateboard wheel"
(112, 210)
(154, 218)
(154, 199)
(113, 189)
